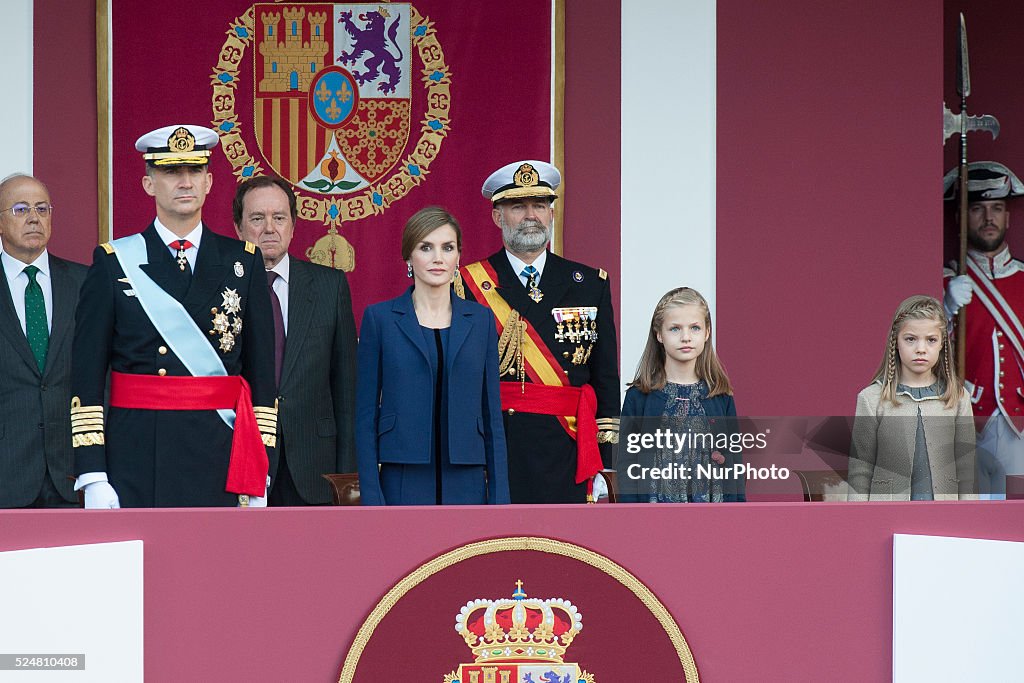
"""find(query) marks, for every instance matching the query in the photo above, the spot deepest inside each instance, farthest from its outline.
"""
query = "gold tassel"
(510, 348)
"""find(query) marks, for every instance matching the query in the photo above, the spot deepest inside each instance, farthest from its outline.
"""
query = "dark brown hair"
(256, 183)
(424, 222)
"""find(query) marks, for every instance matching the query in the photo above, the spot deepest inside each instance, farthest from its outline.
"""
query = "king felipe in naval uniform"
(557, 348)
(181, 318)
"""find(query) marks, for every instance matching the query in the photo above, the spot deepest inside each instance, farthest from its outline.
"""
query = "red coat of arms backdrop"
(371, 111)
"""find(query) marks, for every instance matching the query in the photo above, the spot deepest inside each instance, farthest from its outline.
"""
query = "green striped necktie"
(35, 318)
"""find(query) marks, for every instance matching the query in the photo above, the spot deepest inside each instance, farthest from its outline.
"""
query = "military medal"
(182, 245)
(221, 323)
(531, 284)
(239, 271)
(228, 324)
(232, 301)
(576, 325)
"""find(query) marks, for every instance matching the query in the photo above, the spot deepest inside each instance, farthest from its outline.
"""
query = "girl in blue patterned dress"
(682, 384)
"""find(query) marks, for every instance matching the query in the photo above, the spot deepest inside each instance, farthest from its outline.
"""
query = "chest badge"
(228, 323)
(232, 301)
(576, 326)
(239, 270)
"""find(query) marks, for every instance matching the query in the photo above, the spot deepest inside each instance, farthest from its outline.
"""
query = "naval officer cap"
(986, 180)
(522, 179)
(178, 145)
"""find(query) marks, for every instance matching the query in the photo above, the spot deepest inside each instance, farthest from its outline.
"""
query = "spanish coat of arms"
(519, 640)
(333, 88)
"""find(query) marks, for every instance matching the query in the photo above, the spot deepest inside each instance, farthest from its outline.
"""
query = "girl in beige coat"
(913, 435)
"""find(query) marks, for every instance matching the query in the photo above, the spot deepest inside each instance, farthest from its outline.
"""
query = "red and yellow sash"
(575, 407)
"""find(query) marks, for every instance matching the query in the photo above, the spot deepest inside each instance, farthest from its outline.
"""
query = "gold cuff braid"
(608, 430)
(89, 439)
(86, 424)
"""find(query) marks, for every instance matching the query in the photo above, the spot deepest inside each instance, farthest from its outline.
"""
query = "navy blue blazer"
(394, 398)
(640, 405)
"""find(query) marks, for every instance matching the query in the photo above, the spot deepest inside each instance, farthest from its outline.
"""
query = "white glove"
(959, 293)
(259, 501)
(100, 495)
(600, 487)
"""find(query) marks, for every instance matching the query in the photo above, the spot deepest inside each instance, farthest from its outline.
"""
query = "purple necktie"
(278, 327)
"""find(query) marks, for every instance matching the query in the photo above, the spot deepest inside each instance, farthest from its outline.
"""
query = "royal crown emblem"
(181, 140)
(526, 176)
(519, 640)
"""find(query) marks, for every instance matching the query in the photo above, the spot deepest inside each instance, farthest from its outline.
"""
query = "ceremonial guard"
(993, 293)
(557, 350)
(180, 316)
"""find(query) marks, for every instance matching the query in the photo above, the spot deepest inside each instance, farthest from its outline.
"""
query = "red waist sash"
(550, 400)
(248, 466)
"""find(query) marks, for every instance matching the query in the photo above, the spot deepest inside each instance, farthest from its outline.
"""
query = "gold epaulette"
(607, 430)
(86, 424)
(602, 273)
(250, 247)
(107, 247)
(266, 420)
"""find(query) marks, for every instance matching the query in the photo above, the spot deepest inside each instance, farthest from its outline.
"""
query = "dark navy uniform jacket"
(167, 458)
(541, 454)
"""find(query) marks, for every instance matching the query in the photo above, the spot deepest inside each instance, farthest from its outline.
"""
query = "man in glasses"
(38, 294)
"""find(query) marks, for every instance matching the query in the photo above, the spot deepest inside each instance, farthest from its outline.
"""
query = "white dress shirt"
(518, 265)
(167, 237)
(17, 280)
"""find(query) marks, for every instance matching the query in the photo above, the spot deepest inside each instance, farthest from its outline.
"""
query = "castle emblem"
(519, 640)
(351, 103)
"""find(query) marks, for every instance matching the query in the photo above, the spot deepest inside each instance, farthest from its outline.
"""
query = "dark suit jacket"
(35, 425)
(318, 380)
(170, 458)
(394, 406)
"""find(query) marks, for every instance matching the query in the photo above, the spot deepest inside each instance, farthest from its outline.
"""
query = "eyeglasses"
(22, 210)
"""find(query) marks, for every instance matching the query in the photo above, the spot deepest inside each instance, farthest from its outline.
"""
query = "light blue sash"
(169, 317)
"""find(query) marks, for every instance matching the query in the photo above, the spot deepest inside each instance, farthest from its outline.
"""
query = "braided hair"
(919, 307)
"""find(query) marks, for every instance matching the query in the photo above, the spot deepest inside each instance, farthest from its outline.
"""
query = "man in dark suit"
(560, 388)
(38, 293)
(315, 347)
(179, 315)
